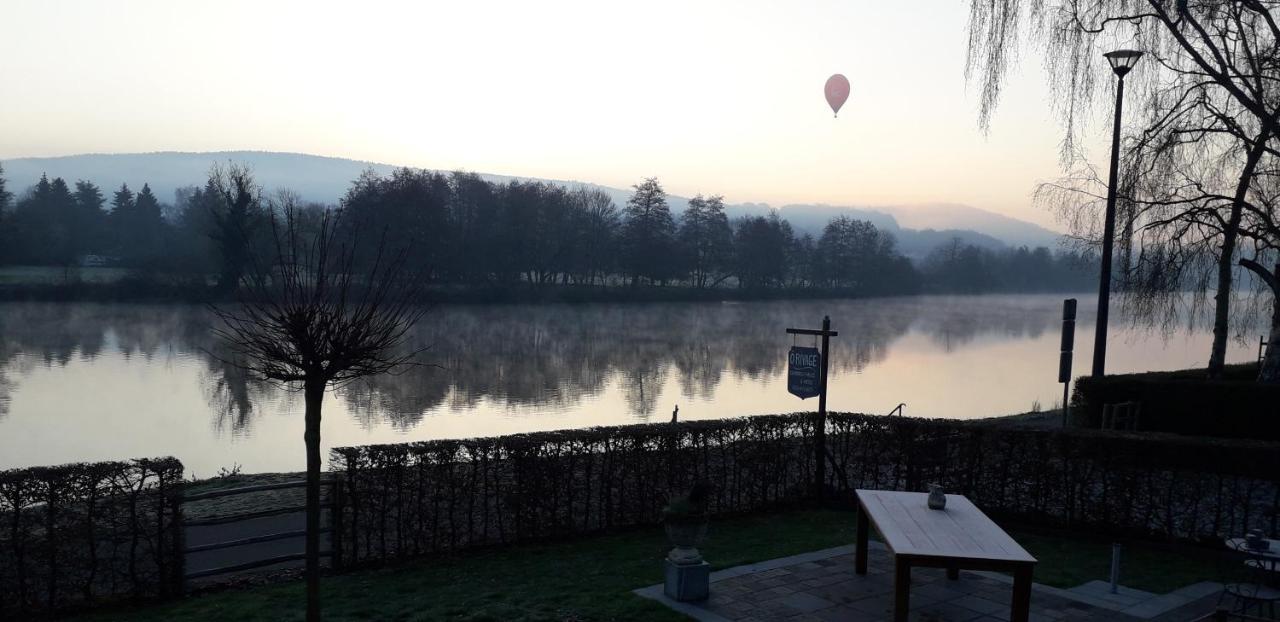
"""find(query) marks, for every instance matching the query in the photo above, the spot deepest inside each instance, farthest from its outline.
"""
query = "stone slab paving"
(823, 586)
(1145, 604)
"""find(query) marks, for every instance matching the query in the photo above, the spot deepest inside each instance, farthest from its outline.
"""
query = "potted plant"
(685, 520)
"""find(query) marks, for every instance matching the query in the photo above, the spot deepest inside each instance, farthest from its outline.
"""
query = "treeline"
(52, 224)
(958, 268)
(470, 231)
(462, 230)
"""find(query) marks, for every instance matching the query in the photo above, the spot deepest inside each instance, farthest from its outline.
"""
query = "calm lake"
(113, 381)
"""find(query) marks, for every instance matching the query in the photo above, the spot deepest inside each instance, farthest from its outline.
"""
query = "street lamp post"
(1122, 61)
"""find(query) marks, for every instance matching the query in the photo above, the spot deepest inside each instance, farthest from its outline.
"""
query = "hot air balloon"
(837, 91)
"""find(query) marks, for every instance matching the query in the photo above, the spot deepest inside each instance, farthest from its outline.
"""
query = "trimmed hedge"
(1162, 487)
(411, 499)
(1185, 402)
(420, 498)
(89, 532)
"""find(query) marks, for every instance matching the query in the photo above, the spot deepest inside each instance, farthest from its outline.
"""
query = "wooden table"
(960, 536)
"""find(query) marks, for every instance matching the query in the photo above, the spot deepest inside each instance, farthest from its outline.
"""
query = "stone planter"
(687, 575)
(685, 535)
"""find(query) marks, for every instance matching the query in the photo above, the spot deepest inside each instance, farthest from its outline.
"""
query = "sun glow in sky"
(720, 96)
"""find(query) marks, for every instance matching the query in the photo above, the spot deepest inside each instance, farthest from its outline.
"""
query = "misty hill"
(325, 179)
(944, 216)
(321, 179)
(915, 243)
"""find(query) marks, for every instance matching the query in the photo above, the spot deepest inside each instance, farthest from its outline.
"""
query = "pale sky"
(719, 96)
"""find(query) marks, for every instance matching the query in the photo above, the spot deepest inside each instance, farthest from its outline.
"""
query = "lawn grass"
(1067, 560)
(591, 578)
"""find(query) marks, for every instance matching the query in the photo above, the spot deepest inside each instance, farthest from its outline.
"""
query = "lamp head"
(1122, 61)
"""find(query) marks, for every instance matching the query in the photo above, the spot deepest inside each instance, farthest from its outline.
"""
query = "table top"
(960, 530)
(1240, 544)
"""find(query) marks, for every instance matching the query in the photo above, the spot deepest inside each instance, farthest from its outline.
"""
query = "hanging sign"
(803, 371)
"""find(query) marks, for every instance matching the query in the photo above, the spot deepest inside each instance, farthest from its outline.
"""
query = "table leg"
(901, 589)
(1021, 609)
(860, 542)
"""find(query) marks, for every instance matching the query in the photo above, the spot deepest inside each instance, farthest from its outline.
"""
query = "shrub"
(1185, 402)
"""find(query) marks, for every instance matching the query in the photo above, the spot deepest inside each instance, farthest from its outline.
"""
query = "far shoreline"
(133, 290)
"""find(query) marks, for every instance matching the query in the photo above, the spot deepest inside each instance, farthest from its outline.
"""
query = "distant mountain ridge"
(325, 179)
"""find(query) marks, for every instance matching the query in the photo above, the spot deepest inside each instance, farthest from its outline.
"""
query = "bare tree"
(234, 202)
(1260, 231)
(596, 221)
(706, 241)
(312, 315)
(1209, 120)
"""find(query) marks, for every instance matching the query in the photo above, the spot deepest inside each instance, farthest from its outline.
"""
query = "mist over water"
(115, 381)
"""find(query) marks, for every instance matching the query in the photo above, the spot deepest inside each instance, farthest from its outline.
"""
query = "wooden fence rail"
(227, 519)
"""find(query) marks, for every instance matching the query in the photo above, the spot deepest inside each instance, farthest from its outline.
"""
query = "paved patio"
(823, 586)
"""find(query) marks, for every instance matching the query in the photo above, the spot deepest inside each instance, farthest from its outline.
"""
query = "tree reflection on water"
(545, 357)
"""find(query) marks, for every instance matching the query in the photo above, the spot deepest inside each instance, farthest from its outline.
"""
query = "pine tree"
(147, 206)
(122, 200)
(28, 229)
(7, 243)
(5, 195)
(138, 225)
(148, 219)
(40, 194)
(89, 221)
(89, 197)
(118, 220)
(41, 225)
(60, 226)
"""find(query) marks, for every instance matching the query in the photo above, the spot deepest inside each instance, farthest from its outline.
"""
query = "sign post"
(1064, 357)
(800, 366)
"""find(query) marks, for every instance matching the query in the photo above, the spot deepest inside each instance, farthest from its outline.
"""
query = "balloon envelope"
(837, 91)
